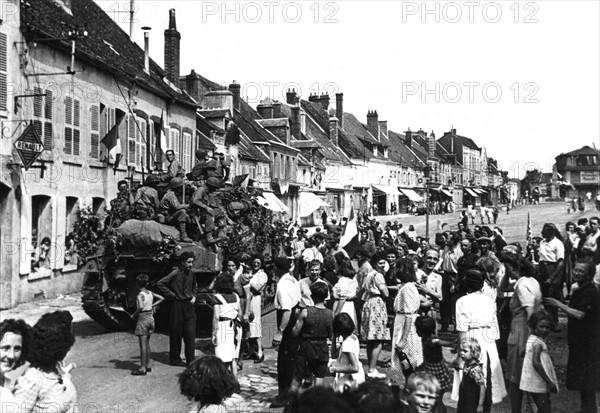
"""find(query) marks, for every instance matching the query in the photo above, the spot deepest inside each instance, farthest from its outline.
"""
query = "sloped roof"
(106, 47)
(215, 113)
(204, 142)
(302, 144)
(205, 126)
(316, 134)
(401, 153)
(356, 129)
(249, 150)
(585, 150)
(352, 147)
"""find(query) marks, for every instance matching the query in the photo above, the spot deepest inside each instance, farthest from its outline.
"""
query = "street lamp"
(426, 172)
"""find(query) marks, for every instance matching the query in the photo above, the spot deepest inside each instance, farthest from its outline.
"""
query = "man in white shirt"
(552, 254)
(287, 301)
(310, 253)
(315, 268)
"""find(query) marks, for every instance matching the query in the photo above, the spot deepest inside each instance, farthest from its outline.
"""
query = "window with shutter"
(94, 132)
(175, 144)
(3, 71)
(72, 122)
(152, 145)
(131, 154)
(42, 112)
(186, 160)
(141, 143)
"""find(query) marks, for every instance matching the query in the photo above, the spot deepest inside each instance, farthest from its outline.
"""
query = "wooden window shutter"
(94, 132)
(38, 102)
(3, 70)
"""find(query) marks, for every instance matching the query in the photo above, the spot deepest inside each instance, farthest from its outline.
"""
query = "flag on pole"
(112, 141)
(163, 137)
(349, 240)
(118, 155)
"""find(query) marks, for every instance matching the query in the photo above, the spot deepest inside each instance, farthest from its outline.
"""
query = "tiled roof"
(249, 150)
(586, 150)
(107, 46)
(354, 128)
(352, 147)
(320, 136)
(401, 153)
(302, 144)
(205, 126)
(204, 142)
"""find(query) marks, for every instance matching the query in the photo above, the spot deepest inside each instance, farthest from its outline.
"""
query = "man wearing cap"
(146, 202)
(180, 287)
(172, 210)
(208, 208)
(287, 302)
(552, 254)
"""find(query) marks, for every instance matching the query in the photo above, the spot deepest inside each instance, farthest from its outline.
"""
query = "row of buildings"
(68, 69)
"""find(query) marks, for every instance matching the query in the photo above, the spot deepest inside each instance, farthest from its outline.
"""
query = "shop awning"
(309, 203)
(389, 190)
(411, 195)
(270, 201)
(471, 192)
(445, 191)
(482, 191)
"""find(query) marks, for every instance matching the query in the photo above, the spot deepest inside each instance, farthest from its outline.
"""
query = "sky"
(521, 79)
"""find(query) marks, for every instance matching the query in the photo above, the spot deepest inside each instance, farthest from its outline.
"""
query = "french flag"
(349, 240)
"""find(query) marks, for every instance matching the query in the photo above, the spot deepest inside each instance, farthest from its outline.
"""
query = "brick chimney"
(383, 127)
(333, 130)
(265, 110)
(291, 97)
(235, 89)
(172, 40)
(339, 109)
(324, 99)
(314, 98)
(373, 123)
(408, 138)
(452, 139)
(218, 99)
(277, 112)
(296, 125)
(431, 144)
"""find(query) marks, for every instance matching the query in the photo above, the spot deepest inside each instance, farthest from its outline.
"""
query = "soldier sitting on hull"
(172, 211)
(121, 205)
(208, 208)
(174, 169)
(147, 203)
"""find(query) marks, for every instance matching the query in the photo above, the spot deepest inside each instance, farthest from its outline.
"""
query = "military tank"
(147, 247)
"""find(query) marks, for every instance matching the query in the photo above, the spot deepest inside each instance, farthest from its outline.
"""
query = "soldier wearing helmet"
(207, 208)
(146, 202)
(173, 211)
(202, 166)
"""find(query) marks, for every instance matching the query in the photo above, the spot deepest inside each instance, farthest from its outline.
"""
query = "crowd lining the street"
(489, 299)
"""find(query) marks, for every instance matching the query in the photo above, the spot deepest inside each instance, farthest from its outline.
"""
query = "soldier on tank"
(207, 207)
(174, 212)
(202, 167)
(174, 169)
(146, 203)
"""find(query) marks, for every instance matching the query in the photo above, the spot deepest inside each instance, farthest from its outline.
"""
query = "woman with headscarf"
(476, 318)
(526, 300)
(583, 313)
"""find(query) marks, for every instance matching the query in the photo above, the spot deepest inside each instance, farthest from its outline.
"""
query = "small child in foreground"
(538, 377)
(349, 370)
(473, 377)
(423, 394)
(144, 316)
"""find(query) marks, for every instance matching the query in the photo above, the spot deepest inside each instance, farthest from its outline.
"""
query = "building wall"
(77, 180)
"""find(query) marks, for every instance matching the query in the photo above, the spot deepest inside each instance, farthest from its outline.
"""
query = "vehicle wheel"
(97, 304)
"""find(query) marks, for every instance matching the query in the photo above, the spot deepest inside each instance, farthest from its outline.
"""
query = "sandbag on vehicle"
(145, 235)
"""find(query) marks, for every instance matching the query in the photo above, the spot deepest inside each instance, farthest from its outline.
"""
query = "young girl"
(144, 316)
(538, 377)
(433, 359)
(349, 371)
(472, 378)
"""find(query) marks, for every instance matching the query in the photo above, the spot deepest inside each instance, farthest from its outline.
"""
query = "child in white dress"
(348, 369)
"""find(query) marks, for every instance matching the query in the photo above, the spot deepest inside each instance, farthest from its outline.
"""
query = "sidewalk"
(32, 311)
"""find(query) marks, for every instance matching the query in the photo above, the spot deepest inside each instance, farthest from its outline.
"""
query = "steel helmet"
(212, 181)
(151, 180)
(175, 183)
